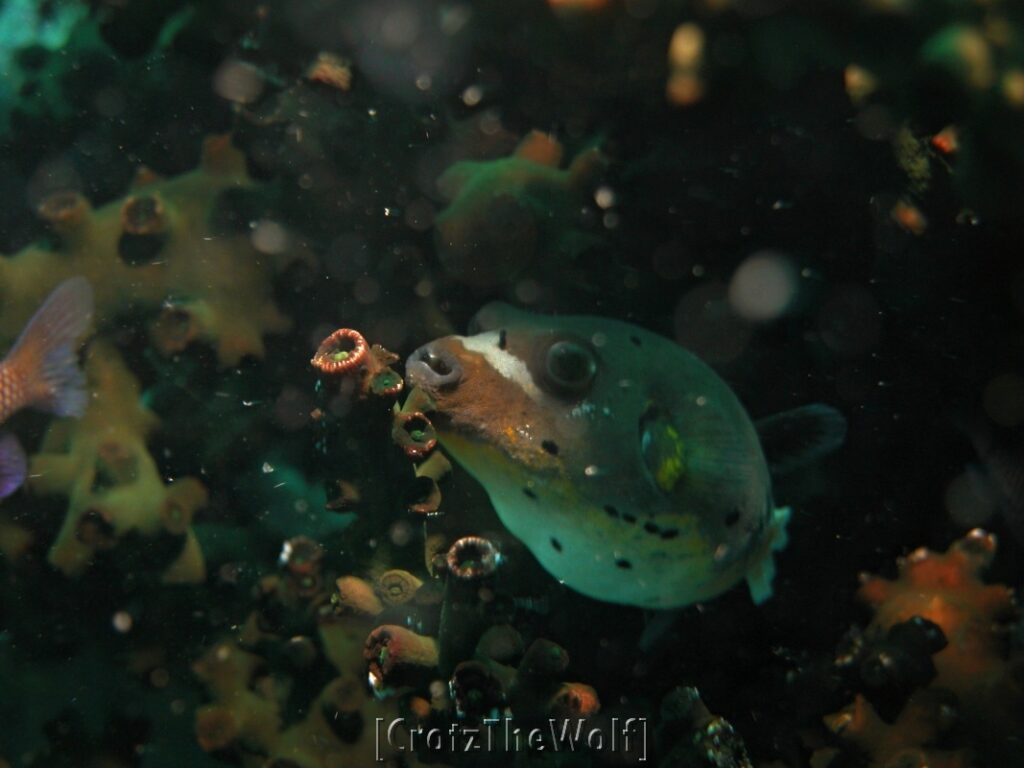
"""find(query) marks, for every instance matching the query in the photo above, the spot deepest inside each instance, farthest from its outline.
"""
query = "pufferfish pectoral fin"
(794, 439)
(762, 569)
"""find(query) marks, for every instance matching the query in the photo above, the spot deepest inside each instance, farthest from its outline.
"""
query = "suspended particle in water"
(269, 237)
(238, 81)
(763, 287)
(122, 621)
(1003, 400)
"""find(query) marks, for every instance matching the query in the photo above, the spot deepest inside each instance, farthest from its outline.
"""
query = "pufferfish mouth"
(433, 369)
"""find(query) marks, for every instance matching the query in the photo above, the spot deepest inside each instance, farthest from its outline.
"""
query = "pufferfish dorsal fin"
(794, 439)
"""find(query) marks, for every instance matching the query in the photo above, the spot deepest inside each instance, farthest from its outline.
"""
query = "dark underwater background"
(867, 157)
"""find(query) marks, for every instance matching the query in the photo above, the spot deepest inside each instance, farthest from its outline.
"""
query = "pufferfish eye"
(569, 367)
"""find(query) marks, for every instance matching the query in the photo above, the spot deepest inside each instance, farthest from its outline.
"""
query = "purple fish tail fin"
(13, 465)
(46, 354)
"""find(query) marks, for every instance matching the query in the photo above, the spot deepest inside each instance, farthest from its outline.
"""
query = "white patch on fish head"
(488, 346)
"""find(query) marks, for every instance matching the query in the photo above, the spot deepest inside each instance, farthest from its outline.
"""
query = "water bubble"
(528, 291)
(122, 621)
(292, 408)
(706, 324)
(1003, 400)
(763, 287)
(970, 499)
(269, 237)
(400, 27)
(238, 81)
(604, 196)
(366, 290)
(419, 215)
(400, 533)
(849, 322)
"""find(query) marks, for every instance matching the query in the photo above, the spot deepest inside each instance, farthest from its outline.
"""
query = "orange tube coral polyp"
(343, 351)
(174, 329)
(95, 530)
(393, 653)
(427, 500)
(473, 557)
(216, 728)
(175, 517)
(356, 596)
(143, 215)
(397, 587)
(413, 433)
(574, 700)
(302, 556)
(386, 383)
(64, 210)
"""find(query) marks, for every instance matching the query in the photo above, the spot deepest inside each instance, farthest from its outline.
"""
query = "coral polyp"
(472, 558)
(346, 352)
(413, 433)
(342, 351)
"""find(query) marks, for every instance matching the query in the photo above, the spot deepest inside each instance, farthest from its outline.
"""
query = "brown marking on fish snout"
(475, 401)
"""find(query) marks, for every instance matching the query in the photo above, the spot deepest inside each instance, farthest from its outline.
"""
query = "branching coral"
(978, 685)
(504, 213)
(114, 488)
(909, 741)
(157, 250)
(246, 715)
(251, 677)
(481, 655)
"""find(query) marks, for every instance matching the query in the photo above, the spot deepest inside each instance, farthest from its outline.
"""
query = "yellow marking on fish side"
(671, 468)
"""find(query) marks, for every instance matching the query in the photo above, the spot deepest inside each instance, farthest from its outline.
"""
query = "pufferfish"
(629, 469)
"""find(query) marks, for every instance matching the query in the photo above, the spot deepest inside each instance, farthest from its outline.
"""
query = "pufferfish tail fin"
(45, 355)
(762, 568)
(794, 439)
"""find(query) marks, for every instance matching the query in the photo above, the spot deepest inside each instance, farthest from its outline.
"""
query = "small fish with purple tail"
(41, 371)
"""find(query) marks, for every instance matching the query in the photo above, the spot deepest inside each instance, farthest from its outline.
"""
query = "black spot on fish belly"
(550, 446)
(557, 545)
(612, 511)
(651, 528)
(529, 493)
(623, 563)
(732, 518)
(635, 340)
(669, 533)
